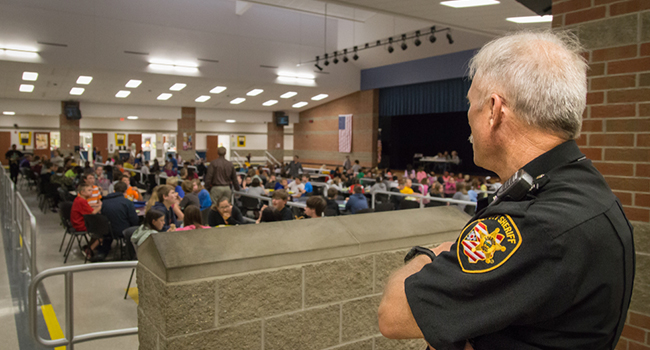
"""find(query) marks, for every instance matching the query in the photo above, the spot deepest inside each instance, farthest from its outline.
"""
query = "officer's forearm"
(395, 317)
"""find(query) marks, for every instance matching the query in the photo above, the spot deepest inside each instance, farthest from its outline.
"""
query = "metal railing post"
(373, 200)
(69, 309)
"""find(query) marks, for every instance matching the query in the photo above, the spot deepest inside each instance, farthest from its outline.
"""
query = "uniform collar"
(566, 152)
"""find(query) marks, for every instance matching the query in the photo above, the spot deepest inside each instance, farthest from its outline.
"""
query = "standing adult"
(220, 176)
(121, 214)
(295, 167)
(347, 165)
(547, 268)
(13, 157)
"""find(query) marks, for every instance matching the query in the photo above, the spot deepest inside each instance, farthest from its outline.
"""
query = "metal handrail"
(68, 272)
(268, 199)
(422, 198)
(237, 159)
(29, 252)
(274, 160)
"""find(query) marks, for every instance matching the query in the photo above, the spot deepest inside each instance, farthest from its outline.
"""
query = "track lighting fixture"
(378, 42)
(356, 57)
(390, 45)
(345, 55)
(432, 37)
(367, 46)
(327, 62)
(316, 65)
(451, 41)
(336, 60)
(417, 41)
(404, 46)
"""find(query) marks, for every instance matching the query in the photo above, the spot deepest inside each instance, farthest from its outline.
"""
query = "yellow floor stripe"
(21, 241)
(53, 326)
(133, 293)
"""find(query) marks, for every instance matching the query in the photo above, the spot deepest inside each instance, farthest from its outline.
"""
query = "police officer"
(550, 262)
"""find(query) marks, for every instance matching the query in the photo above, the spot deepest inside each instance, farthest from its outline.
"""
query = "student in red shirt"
(80, 207)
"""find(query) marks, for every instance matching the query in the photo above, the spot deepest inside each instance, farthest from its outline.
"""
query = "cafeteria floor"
(99, 303)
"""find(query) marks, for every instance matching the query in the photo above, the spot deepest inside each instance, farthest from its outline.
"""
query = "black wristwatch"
(417, 250)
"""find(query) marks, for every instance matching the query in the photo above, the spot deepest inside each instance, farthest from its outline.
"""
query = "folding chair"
(127, 233)
(98, 227)
(65, 208)
(250, 203)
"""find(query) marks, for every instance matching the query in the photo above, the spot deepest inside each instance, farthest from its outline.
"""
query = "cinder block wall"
(326, 305)
(316, 136)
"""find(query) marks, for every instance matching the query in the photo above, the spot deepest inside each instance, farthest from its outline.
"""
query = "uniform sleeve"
(452, 304)
(133, 217)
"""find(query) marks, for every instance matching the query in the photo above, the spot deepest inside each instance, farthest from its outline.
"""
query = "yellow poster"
(120, 140)
(25, 138)
(241, 141)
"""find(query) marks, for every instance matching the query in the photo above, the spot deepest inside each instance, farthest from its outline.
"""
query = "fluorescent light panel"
(164, 96)
(237, 101)
(202, 98)
(26, 88)
(218, 90)
(297, 75)
(84, 80)
(299, 104)
(270, 103)
(289, 94)
(178, 87)
(9, 113)
(254, 92)
(230, 121)
(19, 53)
(530, 19)
(132, 117)
(319, 97)
(122, 93)
(30, 76)
(133, 83)
(77, 91)
(469, 3)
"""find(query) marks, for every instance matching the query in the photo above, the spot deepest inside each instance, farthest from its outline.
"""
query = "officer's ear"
(497, 105)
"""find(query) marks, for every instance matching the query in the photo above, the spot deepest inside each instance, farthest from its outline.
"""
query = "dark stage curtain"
(426, 98)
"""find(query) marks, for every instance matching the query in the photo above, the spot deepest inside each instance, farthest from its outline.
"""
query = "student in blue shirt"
(357, 201)
(282, 185)
(308, 187)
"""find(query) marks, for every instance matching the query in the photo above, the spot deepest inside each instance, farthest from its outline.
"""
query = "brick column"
(186, 134)
(616, 127)
(275, 138)
(69, 130)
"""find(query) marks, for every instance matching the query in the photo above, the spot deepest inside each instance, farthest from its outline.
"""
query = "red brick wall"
(187, 125)
(616, 127)
(69, 130)
(316, 138)
(275, 137)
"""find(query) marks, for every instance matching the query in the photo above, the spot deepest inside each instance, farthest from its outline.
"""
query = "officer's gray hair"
(541, 76)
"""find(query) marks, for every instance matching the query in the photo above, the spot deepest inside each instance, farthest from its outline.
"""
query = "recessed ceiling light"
(531, 19)
(164, 96)
(20, 53)
(468, 3)
(289, 94)
(218, 90)
(26, 88)
(177, 87)
(299, 104)
(132, 117)
(9, 113)
(202, 98)
(254, 92)
(270, 103)
(122, 93)
(237, 101)
(84, 80)
(30, 76)
(133, 83)
(77, 91)
(230, 121)
(319, 97)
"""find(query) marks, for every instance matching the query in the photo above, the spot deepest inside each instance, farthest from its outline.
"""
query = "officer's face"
(478, 117)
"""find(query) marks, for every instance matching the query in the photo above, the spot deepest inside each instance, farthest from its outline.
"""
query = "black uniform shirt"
(551, 271)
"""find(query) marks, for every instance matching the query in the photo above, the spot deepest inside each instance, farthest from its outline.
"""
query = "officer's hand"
(444, 247)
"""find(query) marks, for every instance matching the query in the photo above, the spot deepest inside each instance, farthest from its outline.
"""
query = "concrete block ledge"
(209, 253)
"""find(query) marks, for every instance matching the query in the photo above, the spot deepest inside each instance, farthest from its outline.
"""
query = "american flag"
(345, 133)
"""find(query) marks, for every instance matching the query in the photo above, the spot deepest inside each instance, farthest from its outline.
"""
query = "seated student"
(282, 184)
(308, 188)
(362, 173)
(472, 190)
(168, 203)
(154, 221)
(435, 191)
(169, 170)
(421, 174)
(173, 181)
(96, 195)
(279, 201)
(355, 183)
(121, 213)
(271, 182)
(336, 184)
(144, 169)
(379, 185)
(204, 195)
(315, 207)
(130, 193)
(223, 213)
(191, 190)
(256, 188)
(268, 215)
(80, 207)
(297, 188)
(357, 201)
(192, 220)
(462, 195)
(330, 202)
(405, 186)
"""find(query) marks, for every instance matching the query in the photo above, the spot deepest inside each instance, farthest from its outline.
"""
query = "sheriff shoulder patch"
(486, 244)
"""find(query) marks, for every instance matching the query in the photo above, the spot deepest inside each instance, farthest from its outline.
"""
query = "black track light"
(316, 65)
(451, 41)
(404, 46)
(432, 37)
(356, 57)
(378, 42)
(336, 60)
(390, 45)
(326, 63)
(367, 46)
(417, 41)
(345, 55)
